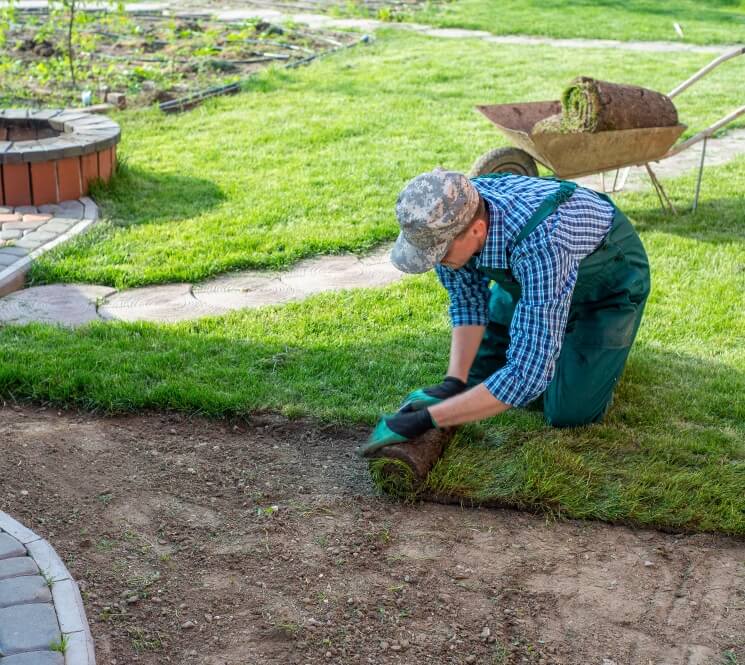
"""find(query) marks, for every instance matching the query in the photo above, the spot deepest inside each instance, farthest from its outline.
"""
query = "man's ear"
(479, 227)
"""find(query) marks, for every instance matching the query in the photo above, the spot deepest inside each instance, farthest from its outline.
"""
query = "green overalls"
(606, 309)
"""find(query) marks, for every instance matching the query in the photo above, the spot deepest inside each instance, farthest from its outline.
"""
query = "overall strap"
(547, 207)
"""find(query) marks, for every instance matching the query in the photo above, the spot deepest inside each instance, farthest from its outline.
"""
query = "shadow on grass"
(137, 196)
(671, 452)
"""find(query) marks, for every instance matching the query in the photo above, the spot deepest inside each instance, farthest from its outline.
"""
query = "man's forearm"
(464, 344)
(475, 404)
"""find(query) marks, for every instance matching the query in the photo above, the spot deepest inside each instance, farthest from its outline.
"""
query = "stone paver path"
(27, 232)
(42, 620)
(78, 304)
(265, 11)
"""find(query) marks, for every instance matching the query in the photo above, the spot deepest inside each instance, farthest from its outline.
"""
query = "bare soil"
(234, 543)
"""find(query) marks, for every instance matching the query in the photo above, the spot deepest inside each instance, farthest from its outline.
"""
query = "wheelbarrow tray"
(575, 155)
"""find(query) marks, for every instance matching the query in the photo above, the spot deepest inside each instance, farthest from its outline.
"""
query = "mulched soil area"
(227, 543)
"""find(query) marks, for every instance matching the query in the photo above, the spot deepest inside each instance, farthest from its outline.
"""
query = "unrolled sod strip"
(589, 105)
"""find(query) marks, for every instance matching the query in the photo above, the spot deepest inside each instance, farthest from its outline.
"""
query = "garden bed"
(147, 59)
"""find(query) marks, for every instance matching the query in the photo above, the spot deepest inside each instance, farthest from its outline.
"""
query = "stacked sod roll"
(589, 105)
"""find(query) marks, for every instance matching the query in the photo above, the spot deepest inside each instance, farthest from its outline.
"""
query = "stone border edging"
(80, 134)
(13, 275)
(66, 599)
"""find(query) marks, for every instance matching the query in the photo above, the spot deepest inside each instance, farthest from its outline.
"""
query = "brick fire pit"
(53, 155)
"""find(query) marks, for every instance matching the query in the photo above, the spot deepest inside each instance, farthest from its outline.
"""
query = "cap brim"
(412, 259)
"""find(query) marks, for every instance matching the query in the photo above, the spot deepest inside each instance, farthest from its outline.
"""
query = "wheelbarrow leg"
(665, 202)
(700, 174)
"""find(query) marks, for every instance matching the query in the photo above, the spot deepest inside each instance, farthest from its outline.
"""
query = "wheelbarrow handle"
(706, 133)
(704, 71)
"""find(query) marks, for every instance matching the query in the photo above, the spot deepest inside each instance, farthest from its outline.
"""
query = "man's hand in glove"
(424, 397)
(398, 428)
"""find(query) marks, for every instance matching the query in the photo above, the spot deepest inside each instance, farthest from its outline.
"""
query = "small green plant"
(288, 628)
(730, 658)
(266, 512)
(59, 645)
(48, 579)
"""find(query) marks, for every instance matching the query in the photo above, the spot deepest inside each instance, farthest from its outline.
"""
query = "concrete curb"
(67, 601)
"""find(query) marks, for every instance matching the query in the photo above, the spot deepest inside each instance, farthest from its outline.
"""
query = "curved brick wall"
(53, 155)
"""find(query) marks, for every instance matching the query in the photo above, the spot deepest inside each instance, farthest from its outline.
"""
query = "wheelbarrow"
(571, 156)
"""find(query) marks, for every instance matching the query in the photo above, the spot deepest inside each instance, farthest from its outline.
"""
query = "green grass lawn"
(313, 163)
(707, 22)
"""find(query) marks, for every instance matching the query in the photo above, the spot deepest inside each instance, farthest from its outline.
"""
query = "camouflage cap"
(432, 210)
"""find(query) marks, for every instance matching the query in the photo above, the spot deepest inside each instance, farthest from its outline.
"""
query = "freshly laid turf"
(670, 453)
(311, 161)
(672, 450)
(702, 22)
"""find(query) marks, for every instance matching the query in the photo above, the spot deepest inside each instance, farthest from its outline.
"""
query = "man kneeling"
(569, 280)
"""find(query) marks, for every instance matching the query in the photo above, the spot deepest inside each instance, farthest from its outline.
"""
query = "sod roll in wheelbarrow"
(400, 469)
(589, 105)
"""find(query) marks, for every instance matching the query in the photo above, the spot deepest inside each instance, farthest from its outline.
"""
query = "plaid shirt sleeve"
(547, 273)
(469, 294)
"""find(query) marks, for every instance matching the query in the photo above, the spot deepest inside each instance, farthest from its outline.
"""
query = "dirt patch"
(222, 543)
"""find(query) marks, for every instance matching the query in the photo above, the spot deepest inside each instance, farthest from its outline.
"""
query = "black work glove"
(398, 428)
(432, 395)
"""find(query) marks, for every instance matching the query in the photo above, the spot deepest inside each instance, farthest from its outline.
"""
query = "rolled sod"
(400, 469)
(589, 105)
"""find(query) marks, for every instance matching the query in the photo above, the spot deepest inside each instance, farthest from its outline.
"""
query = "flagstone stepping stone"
(271, 292)
(169, 303)
(65, 304)
(330, 273)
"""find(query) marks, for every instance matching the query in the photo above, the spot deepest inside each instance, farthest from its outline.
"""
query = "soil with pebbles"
(227, 543)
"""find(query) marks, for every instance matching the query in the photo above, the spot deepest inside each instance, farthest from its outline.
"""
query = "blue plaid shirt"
(545, 264)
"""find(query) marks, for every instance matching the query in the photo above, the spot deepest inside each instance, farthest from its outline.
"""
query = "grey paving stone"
(40, 236)
(66, 304)
(10, 547)
(26, 210)
(35, 658)
(12, 526)
(80, 649)
(22, 590)
(11, 234)
(45, 114)
(17, 566)
(15, 251)
(23, 226)
(69, 606)
(58, 226)
(71, 209)
(29, 244)
(28, 628)
(51, 209)
(7, 259)
(48, 560)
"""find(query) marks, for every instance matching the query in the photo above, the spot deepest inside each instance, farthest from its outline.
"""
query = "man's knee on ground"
(574, 416)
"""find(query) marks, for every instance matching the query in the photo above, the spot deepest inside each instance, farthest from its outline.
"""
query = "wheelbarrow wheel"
(512, 160)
